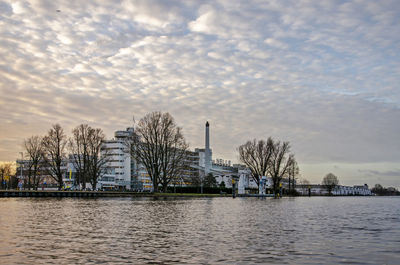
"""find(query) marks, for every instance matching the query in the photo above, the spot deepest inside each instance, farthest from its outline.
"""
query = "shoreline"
(97, 194)
(105, 194)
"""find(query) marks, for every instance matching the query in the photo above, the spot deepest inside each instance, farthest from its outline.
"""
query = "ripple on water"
(200, 231)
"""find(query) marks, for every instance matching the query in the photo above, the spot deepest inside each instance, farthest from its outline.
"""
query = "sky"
(323, 75)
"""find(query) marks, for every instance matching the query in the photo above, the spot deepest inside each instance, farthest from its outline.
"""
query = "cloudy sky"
(323, 75)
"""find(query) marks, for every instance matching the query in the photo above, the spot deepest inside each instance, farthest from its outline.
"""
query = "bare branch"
(256, 156)
(159, 145)
(54, 144)
(34, 149)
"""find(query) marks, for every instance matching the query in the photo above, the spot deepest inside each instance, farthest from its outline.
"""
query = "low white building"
(355, 190)
(318, 189)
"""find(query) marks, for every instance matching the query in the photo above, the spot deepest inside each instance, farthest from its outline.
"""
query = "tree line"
(379, 190)
(47, 155)
(270, 158)
(157, 144)
(161, 147)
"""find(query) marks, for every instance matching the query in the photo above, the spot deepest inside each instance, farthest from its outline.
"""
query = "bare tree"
(78, 145)
(5, 174)
(87, 154)
(174, 151)
(256, 155)
(34, 149)
(97, 155)
(54, 144)
(292, 174)
(196, 179)
(159, 145)
(330, 181)
(281, 162)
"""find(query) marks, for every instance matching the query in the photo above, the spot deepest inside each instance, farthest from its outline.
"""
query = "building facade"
(318, 189)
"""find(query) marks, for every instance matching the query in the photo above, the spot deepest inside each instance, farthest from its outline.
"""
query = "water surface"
(364, 230)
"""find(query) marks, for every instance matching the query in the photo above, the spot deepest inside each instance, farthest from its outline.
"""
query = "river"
(302, 230)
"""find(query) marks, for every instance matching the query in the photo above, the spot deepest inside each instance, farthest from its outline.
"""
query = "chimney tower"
(207, 162)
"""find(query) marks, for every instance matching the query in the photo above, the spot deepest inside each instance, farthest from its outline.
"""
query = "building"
(122, 171)
(220, 169)
(43, 179)
(318, 189)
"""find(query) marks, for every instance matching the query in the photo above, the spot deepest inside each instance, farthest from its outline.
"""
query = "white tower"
(207, 162)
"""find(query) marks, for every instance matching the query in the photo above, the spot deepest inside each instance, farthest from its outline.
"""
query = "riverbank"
(98, 194)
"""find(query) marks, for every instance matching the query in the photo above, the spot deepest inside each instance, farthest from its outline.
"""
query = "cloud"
(275, 43)
(322, 75)
(388, 173)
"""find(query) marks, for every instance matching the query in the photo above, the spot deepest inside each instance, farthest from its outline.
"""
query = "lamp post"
(202, 182)
(20, 165)
(153, 171)
(234, 180)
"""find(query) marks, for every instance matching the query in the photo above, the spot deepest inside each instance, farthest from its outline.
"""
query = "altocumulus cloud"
(322, 75)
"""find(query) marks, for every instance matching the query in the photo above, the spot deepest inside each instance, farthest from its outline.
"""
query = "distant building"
(318, 189)
(45, 180)
(219, 168)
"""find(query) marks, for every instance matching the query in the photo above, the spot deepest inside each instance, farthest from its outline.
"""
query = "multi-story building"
(124, 173)
(120, 170)
(120, 167)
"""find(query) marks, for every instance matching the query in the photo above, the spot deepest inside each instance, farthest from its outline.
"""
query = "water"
(316, 230)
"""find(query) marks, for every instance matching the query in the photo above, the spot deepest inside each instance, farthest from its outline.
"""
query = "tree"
(54, 144)
(292, 175)
(256, 155)
(222, 185)
(210, 181)
(78, 145)
(97, 156)
(329, 182)
(196, 180)
(159, 145)
(378, 189)
(280, 163)
(5, 174)
(85, 146)
(34, 149)
(207, 181)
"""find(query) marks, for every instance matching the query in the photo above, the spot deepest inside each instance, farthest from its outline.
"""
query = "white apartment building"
(124, 173)
(121, 171)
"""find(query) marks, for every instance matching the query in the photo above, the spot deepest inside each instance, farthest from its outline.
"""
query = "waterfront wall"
(98, 194)
(50, 193)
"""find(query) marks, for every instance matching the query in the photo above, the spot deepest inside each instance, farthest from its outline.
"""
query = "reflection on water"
(200, 231)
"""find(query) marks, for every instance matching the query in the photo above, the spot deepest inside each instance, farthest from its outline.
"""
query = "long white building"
(318, 189)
